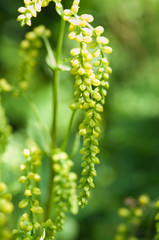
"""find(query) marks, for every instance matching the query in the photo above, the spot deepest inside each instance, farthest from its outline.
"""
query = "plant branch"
(41, 125)
(64, 144)
(49, 51)
(55, 84)
(49, 204)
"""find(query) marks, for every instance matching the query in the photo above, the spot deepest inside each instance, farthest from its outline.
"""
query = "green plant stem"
(55, 83)
(49, 51)
(64, 144)
(49, 204)
(41, 125)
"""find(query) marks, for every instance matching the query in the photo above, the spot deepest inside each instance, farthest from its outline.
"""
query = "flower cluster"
(49, 230)
(157, 220)
(28, 223)
(29, 51)
(30, 10)
(6, 207)
(32, 7)
(91, 70)
(131, 216)
(65, 196)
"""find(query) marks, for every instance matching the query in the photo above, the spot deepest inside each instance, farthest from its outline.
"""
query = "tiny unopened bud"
(26, 153)
(2, 187)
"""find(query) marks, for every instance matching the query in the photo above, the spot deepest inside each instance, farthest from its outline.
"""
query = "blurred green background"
(130, 128)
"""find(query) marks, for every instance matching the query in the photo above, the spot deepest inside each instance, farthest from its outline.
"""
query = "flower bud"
(26, 153)
(144, 200)
(72, 35)
(36, 191)
(75, 51)
(96, 95)
(123, 212)
(99, 30)
(82, 132)
(22, 179)
(2, 187)
(96, 53)
(87, 17)
(27, 193)
(107, 49)
(23, 203)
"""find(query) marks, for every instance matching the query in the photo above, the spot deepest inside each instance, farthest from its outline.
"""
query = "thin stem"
(55, 83)
(64, 144)
(49, 51)
(49, 204)
(37, 116)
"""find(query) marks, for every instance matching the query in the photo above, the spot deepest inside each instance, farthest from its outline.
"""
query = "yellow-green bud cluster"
(65, 195)
(4, 85)
(91, 70)
(6, 207)
(5, 129)
(29, 48)
(157, 220)
(28, 222)
(32, 7)
(50, 229)
(68, 13)
(131, 216)
(59, 7)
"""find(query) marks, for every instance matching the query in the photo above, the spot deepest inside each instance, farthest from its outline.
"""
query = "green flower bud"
(96, 95)
(124, 212)
(36, 177)
(37, 209)
(29, 227)
(122, 228)
(4, 85)
(144, 200)
(82, 132)
(25, 217)
(138, 212)
(99, 30)
(25, 44)
(22, 179)
(23, 203)
(107, 49)
(2, 187)
(27, 193)
(23, 167)
(99, 108)
(36, 191)
(3, 219)
(37, 225)
(26, 153)
(31, 36)
(6, 206)
(30, 175)
(109, 70)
